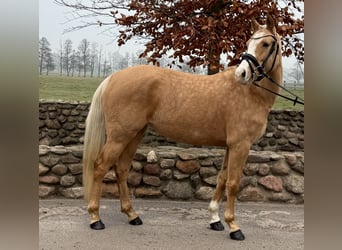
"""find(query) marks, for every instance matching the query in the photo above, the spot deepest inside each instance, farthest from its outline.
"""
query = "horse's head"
(263, 52)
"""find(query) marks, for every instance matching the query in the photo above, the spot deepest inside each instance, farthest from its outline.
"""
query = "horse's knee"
(228, 217)
(126, 208)
(92, 207)
(233, 187)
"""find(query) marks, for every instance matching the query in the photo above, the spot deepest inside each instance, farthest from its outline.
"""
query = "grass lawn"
(55, 87)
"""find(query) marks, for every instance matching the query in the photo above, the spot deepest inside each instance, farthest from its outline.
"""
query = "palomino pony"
(218, 110)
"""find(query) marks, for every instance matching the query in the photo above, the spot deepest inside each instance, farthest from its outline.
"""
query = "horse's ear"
(270, 23)
(255, 25)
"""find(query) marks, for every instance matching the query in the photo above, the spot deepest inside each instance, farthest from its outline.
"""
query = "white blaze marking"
(214, 209)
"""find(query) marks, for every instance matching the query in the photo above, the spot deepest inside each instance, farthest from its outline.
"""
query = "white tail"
(94, 138)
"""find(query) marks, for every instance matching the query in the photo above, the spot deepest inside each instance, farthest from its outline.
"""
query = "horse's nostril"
(243, 74)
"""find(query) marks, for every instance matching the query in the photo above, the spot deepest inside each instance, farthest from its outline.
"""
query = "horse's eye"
(265, 45)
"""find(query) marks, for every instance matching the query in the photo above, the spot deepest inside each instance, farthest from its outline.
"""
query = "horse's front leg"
(215, 222)
(237, 158)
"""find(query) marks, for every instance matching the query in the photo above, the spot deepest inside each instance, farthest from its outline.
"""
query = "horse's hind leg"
(215, 222)
(122, 171)
(107, 158)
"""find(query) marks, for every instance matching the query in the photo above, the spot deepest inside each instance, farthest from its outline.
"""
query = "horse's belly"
(191, 134)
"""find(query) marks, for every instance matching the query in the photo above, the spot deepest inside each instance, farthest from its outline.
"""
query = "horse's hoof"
(97, 225)
(237, 235)
(217, 226)
(135, 222)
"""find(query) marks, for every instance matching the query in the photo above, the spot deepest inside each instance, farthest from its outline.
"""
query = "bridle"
(251, 60)
(261, 74)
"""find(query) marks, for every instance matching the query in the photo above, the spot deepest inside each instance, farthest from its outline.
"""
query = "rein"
(261, 73)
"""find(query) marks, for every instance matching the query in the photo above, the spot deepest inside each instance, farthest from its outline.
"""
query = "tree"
(84, 54)
(296, 74)
(67, 53)
(198, 30)
(44, 54)
(60, 57)
(93, 56)
(73, 62)
(99, 62)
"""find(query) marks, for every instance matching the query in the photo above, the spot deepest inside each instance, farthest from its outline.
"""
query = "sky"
(53, 22)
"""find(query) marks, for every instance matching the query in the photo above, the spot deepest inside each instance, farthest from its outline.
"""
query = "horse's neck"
(277, 76)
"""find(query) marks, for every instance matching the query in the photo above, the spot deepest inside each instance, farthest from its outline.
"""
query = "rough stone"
(248, 180)
(143, 192)
(134, 178)
(137, 166)
(75, 168)
(272, 183)
(110, 176)
(152, 169)
(281, 127)
(42, 169)
(60, 150)
(139, 156)
(49, 160)
(59, 169)
(178, 190)
(206, 162)
(69, 126)
(77, 151)
(179, 175)
(258, 157)
(250, 169)
(263, 169)
(52, 133)
(167, 154)
(167, 163)
(49, 179)
(166, 174)
(289, 135)
(280, 168)
(211, 180)
(151, 180)
(73, 192)
(207, 172)
(291, 159)
(46, 191)
(251, 194)
(69, 158)
(204, 193)
(152, 157)
(110, 190)
(185, 156)
(299, 167)
(52, 124)
(218, 162)
(283, 196)
(44, 150)
(195, 180)
(188, 167)
(67, 180)
(294, 183)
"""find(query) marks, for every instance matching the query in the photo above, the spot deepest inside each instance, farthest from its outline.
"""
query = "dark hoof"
(137, 221)
(97, 225)
(237, 235)
(217, 226)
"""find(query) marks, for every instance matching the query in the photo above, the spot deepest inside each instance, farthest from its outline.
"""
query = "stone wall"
(63, 123)
(176, 173)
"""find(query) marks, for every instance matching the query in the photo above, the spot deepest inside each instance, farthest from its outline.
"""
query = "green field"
(55, 87)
